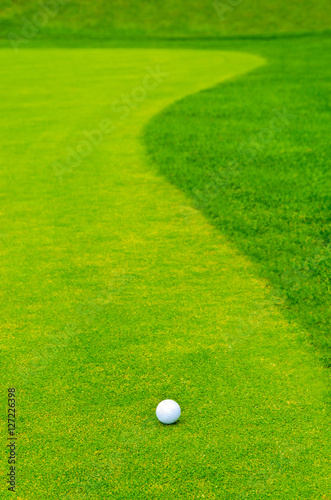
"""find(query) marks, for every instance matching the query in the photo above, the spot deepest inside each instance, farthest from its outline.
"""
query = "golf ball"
(168, 411)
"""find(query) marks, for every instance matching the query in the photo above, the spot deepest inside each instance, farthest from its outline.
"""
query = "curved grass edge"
(291, 291)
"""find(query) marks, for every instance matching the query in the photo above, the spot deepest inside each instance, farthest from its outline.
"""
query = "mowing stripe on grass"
(112, 302)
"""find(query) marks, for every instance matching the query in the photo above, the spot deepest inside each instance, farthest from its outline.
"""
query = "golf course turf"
(164, 203)
(118, 293)
(259, 169)
(166, 18)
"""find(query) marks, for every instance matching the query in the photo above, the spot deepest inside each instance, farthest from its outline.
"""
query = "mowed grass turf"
(112, 302)
(253, 154)
(141, 18)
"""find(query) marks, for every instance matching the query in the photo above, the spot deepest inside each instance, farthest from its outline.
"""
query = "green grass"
(112, 301)
(254, 154)
(133, 18)
(120, 288)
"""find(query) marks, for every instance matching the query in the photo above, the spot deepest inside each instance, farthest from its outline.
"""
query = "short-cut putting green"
(113, 302)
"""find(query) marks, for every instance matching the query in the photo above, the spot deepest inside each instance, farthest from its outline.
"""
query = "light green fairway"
(114, 299)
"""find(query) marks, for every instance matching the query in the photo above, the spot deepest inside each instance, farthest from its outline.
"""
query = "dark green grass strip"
(253, 154)
(129, 18)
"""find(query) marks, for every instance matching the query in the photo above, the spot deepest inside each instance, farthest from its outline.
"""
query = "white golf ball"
(168, 411)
